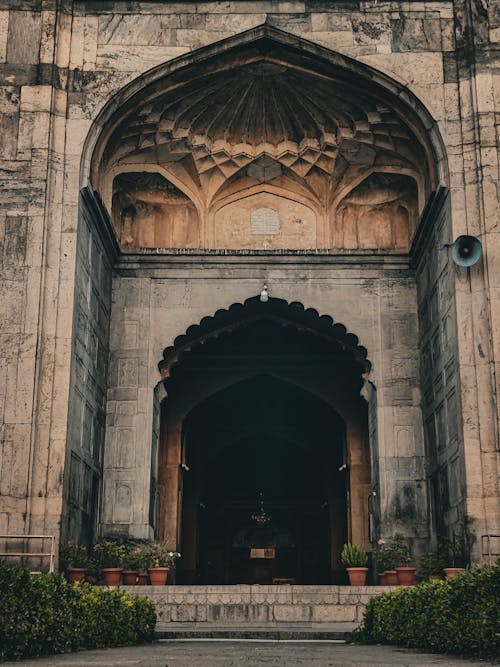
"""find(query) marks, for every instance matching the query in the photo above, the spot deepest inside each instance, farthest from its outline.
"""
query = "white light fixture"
(264, 296)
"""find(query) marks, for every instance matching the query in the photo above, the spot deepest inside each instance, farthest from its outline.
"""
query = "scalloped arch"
(239, 315)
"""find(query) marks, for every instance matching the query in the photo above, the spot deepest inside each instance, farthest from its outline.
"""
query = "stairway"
(258, 612)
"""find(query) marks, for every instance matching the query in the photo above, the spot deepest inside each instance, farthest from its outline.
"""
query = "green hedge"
(453, 616)
(43, 614)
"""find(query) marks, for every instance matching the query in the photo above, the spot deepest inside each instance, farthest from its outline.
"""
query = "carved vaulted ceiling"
(225, 122)
(263, 115)
(229, 120)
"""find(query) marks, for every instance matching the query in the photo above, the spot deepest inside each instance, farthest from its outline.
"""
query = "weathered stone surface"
(229, 606)
(78, 361)
(416, 35)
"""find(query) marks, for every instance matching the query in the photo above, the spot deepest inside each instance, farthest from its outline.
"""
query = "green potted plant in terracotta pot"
(159, 561)
(131, 564)
(384, 559)
(431, 566)
(136, 564)
(74, 560)
(110, 555)
(354, 559)
(454, 554)
(402, 559)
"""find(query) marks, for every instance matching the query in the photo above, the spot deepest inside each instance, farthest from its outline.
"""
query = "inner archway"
(264, 417)
(263, 444)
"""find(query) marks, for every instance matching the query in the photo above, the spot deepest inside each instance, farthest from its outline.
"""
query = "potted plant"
(384, 558)
(74, 560)
(159, 560)
(454, 553)
(134, 572)
(354, 559)
(110, 555)
(431, 566)
(130, 570)
(402, 559)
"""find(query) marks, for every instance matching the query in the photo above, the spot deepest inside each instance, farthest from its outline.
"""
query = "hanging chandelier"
(261, 517)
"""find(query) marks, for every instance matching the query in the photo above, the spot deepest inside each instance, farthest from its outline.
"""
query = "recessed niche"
(265, 221)
(380, 213)
(151, 212)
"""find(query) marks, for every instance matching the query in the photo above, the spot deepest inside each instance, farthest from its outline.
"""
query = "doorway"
(264, 499)
(265, 472)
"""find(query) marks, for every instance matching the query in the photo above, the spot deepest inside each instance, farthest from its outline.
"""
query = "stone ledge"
(268, 606)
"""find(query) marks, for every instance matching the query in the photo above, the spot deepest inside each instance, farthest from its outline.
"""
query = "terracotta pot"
(452, 572)
(382, 578)
(158, 575)
(75, 574)
(391, 578)
(406, 576)
(357, 575)
(112, 575)
(142, 579)
(129, 577)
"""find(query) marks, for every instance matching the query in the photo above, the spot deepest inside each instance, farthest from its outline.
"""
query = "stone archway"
(338, 193)
(256, 384)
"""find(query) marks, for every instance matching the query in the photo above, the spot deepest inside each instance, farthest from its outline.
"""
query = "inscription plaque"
(265, 221)
(268, 553)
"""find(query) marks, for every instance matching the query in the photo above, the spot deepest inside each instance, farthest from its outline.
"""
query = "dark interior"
(264, 439)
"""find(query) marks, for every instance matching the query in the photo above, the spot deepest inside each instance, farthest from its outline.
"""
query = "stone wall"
(438, 369)
(62, 61)
(38, 266)
(89, 376)
(157, 300)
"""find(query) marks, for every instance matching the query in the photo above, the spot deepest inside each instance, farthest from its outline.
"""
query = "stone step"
(254, 607)
(337, 632)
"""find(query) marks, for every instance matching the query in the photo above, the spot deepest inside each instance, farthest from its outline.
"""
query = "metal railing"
(27, 554)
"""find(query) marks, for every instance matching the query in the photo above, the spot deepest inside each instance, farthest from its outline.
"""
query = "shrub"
(453, 616)
(44, 614)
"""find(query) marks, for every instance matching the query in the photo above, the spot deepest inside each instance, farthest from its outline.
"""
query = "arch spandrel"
(266, 110)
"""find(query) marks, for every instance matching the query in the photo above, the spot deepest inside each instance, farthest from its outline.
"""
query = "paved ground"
(232, 653)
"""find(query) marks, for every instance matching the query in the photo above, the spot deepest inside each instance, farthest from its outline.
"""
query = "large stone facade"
(161, 161)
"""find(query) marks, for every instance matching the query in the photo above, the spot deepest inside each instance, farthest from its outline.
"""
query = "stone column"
(170, 481)
(359, 483)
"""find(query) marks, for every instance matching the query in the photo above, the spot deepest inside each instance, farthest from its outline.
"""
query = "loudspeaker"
(466, 251)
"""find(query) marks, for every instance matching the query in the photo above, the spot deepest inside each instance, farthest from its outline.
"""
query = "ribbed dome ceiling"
(229, 119)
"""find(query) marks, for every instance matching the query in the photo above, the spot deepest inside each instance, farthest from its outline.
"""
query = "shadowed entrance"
(264, 399)
(264, 441)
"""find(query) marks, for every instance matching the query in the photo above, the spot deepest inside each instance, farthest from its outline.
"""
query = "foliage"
(137, 558)
(74, 555)
(44, 614)
(110, 553)
(157, 555)
(453, 551)
(458, 615)
(430, 563)
(383, 557)
(393, 553)
(353, 556)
